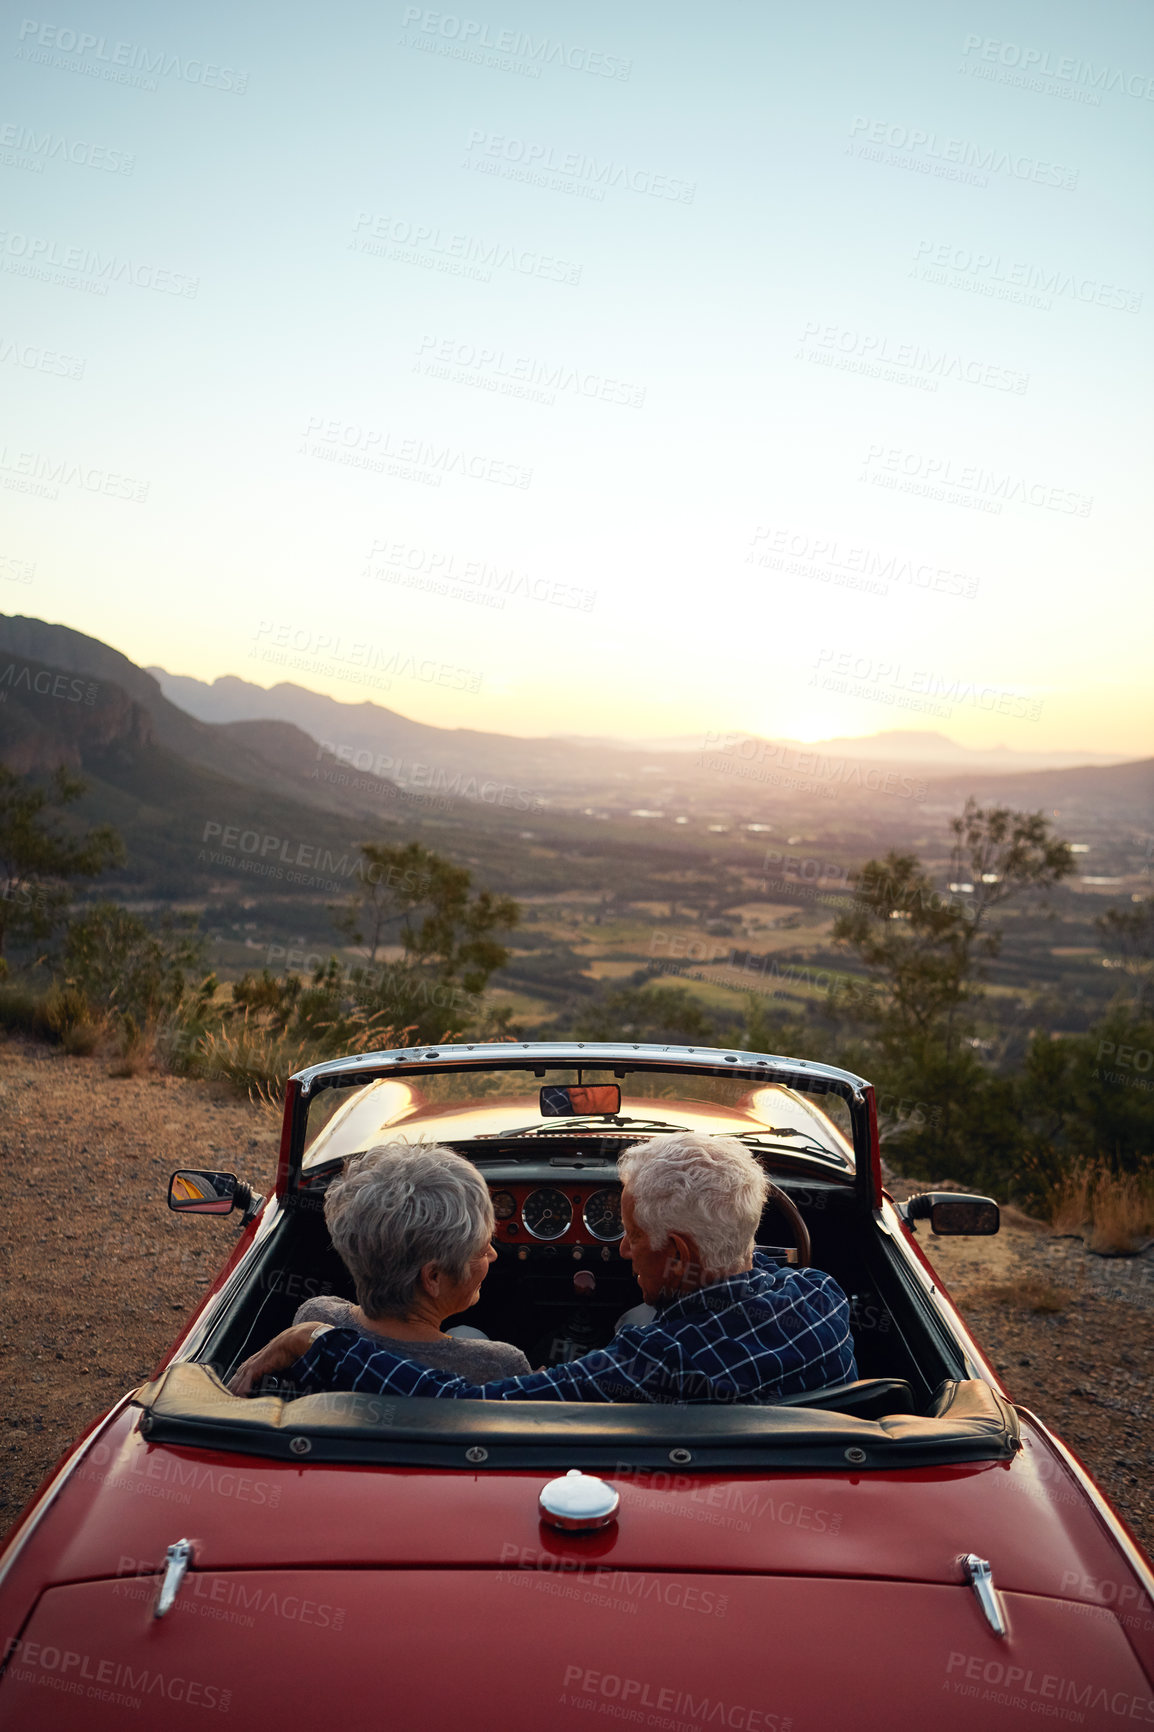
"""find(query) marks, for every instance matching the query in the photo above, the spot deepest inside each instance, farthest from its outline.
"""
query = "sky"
(585, 369)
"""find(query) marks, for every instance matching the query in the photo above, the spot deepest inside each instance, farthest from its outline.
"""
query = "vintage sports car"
(909, 1550)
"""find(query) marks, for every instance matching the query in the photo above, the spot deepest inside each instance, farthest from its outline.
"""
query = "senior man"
(730, 1324)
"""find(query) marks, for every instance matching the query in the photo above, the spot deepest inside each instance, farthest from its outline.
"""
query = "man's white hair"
(710, 1188)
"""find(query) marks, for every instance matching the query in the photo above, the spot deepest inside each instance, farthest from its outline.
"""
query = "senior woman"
(413, 1226)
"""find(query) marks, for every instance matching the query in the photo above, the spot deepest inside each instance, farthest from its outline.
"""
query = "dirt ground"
(98, 1276)
(1071, 1335)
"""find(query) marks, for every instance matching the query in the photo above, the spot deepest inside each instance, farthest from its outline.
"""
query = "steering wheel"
(789, 1209)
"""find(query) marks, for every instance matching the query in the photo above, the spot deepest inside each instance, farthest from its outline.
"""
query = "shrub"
(23, 1010)
(1113, 1212)
(1121, 1213)
(135, 1048)
(667, 1014)
(1087, 1100)
(71, 1019)
(260, 1059)
(139, 972)
(1069, 1202)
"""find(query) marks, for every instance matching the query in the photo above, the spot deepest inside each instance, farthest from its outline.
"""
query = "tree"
(392, 883)
(913, 942)
(923, 950)
(37, 858)
(923, 947)
(667, 1015)
(124, 965)
(1003, 853)
(1131, 932)
(767, 1030)
(1087, 1101)
(414, 901)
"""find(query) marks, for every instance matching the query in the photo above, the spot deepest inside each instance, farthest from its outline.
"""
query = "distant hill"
(922, 748)
(174, 786)
(400, 743)
(158, 771)
(275, 757)
(51, 718)
(1119, 791)
(177, 788)
(929, 749)
(391, 744)
(173, 814)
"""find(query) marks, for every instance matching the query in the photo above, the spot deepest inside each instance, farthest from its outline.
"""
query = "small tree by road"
(445, 938)
(38, 858)
(923, 949)
(1130, 931)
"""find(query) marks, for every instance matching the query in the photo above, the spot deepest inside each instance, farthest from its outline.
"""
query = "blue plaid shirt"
(768, 1332)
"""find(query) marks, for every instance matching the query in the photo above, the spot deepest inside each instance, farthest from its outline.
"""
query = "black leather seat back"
(868, 1398)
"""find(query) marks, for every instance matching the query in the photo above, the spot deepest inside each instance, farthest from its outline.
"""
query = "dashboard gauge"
(602, 1215)
(547, 1213)
(504, 1205)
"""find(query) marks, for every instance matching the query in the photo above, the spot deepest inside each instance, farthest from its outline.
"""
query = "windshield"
(492, 1106)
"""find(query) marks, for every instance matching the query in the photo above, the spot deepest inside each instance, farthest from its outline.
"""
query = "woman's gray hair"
(402, 1205)
(710, 1188)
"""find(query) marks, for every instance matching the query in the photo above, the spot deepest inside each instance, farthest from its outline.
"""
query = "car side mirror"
(951, 1214)
(204, 1193)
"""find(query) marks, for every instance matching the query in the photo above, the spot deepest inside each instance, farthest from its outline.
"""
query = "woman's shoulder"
(498, 1358)
(477, 1360)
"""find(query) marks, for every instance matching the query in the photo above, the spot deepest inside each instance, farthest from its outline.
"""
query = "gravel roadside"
(1071, 1335)
(98, 1276)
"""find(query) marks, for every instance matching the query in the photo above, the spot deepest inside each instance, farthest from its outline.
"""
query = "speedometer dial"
(504, 1204)
(547, 1214)
(602, 1215)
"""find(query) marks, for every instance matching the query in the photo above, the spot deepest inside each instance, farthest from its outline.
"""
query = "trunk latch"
(177, 1559)
(981, 1579)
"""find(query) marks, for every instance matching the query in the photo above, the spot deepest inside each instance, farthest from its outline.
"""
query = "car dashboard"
(554, 1195)
(557, 1231)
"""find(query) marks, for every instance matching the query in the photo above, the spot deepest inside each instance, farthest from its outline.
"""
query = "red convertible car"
(908, 1550)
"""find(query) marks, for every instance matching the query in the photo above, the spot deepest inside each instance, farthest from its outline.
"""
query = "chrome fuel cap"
(578, 1502)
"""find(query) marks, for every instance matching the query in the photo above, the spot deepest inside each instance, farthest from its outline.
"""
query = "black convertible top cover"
(188, 1405)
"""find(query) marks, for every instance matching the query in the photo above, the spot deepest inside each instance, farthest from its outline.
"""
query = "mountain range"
(172, 761)
(373, 728)
(656, 774)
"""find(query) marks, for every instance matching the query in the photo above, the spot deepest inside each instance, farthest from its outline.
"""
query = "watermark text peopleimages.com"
(234, 844)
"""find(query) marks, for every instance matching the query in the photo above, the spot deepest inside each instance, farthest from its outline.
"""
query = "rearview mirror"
(202, 1193)
(568, 1103)
(952, 1214)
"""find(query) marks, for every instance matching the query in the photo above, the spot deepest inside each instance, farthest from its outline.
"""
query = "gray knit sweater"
(479, 1361)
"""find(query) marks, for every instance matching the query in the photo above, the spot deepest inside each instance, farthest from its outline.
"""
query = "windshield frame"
(804, 1075)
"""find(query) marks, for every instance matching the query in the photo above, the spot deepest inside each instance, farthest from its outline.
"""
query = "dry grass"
(1070, 1201)
(1122, 1214)
(260, 1060)
(72, 1021)
(1029, 1292)
(135, 1049)
(255, 1058)
(1012, 1216)
(1113, 1213)
(82, 1038)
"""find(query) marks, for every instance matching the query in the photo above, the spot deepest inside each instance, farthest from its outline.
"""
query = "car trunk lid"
(430, 1649)
(128, 1500)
